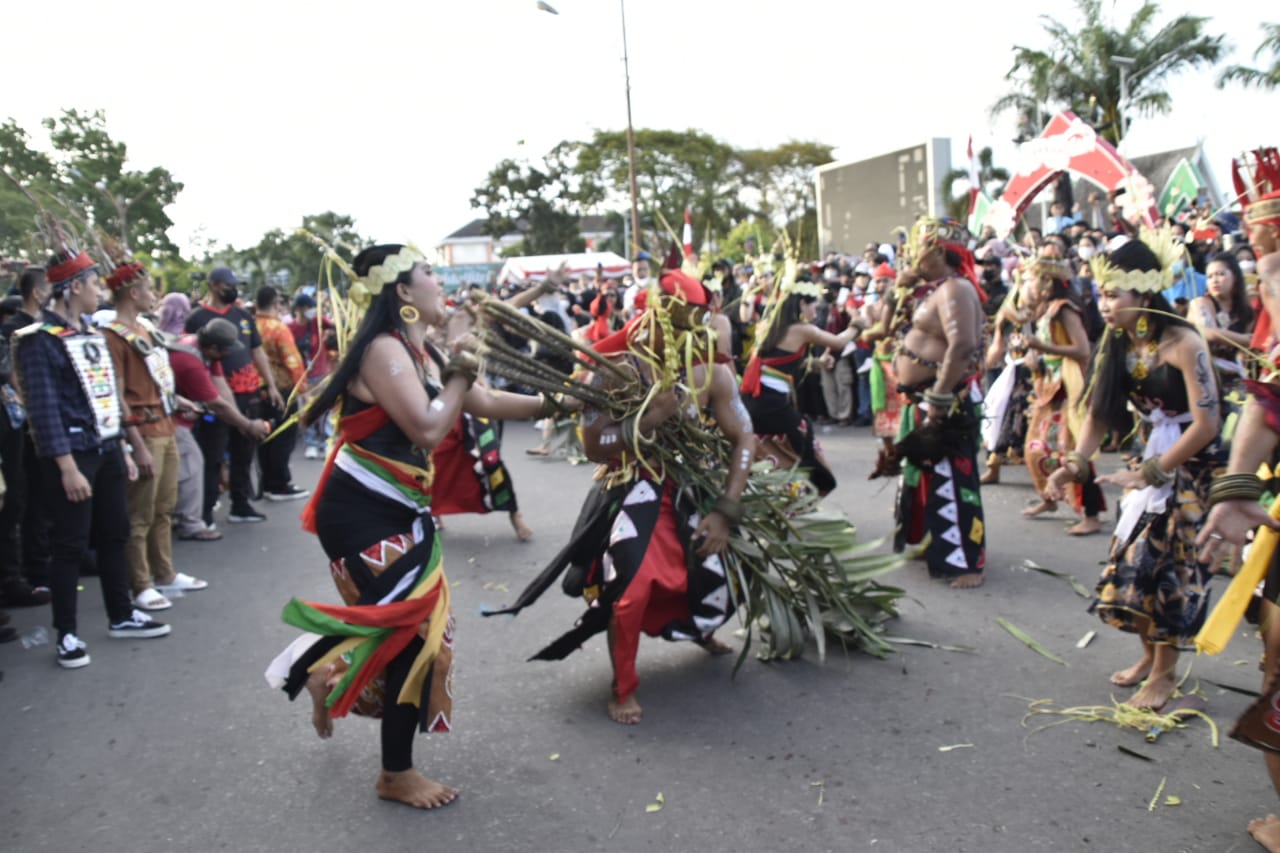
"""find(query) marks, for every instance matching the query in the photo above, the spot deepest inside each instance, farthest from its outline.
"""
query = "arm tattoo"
(1209, 398)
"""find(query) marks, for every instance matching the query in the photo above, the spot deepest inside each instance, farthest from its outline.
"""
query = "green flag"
(1182, 188)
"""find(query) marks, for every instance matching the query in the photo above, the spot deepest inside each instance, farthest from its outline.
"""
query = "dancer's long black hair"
(382, 317)
(1108, 397)
(788, 315)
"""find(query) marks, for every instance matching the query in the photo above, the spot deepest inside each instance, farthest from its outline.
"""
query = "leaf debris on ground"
(1032, 566)
(1159, 790)
(1086, 639)
(909, 641)
(1028, 640)
(656, 807)
(955, 746)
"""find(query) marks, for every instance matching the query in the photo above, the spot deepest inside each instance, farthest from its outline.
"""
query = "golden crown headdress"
(1168, 249)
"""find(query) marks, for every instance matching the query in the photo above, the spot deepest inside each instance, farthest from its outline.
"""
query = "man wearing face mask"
(247, 371)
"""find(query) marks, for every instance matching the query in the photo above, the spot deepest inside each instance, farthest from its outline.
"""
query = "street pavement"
(177, 744)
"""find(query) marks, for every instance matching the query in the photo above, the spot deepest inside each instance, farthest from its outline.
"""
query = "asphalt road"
(178, 744)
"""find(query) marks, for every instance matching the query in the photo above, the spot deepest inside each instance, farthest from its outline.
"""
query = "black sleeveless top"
(389, 440)
(1162, 388)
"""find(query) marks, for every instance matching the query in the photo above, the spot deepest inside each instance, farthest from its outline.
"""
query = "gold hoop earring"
(1142, 329)
(409, 314)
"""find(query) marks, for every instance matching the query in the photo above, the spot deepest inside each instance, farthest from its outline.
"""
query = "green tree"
(85, 181)
(541, 201)
(783, 177)
(991, 177)
(1263, 78)
(1080, 75)
(288, 260)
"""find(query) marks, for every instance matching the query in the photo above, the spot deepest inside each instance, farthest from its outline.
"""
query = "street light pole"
(631, 137)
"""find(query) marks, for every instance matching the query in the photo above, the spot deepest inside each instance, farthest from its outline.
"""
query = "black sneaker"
(71, 652)
(245, 515)
(292, 493)
(139, 626)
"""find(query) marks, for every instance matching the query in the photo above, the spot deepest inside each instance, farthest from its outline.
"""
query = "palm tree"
(1076, 72)
(991, 177)
(1246, 76)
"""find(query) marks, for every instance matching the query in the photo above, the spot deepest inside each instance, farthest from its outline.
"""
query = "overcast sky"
(393, 112)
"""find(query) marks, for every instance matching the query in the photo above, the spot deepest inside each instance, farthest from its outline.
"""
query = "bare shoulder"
(959, 289)
(1185, 344)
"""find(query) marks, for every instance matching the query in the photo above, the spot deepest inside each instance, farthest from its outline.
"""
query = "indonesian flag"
(975, 177)
(687, 236)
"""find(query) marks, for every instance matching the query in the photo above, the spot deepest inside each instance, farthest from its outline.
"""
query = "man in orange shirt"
(289, 372)
(147, 389)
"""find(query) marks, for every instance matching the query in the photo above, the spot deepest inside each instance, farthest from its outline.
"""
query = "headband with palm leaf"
(1168, 251)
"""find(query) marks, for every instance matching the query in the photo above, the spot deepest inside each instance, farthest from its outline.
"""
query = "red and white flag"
(687, 236)
(975, 177)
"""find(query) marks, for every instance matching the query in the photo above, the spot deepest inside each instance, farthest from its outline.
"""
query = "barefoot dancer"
(1059, 351)
(1153, 585)
(937, 362)
(388, 651)
(645, 550)
(1236, 510)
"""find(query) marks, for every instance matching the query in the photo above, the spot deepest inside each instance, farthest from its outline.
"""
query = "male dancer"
(936, 363)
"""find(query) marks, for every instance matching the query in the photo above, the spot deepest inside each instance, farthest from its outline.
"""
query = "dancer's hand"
(1125, 479)
(712, 533)
(1229, 524)
(1055, 489)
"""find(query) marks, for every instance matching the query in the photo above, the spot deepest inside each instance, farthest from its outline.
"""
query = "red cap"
(69, 268)
(125, 274)
(885, 271)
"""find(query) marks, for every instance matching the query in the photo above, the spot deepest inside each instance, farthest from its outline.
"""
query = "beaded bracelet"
(1235, 487)
(729, 508)
(939, 403)
(1084, 471)
(1154, 474)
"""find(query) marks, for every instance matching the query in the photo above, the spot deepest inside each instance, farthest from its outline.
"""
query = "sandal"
(184, 582)
(202, 536)
(538, 451)
(151, 599)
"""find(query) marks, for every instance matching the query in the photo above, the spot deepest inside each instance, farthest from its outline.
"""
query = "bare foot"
(1266, 831)
(972, 580)
(538, 451)
(319, 689)
(626, 712)
(523, 531)
(712, 646)
(413, 789)
(992, 477)
(1134, 674)
(1085, 527)
(1154, 694)
(1040, 509)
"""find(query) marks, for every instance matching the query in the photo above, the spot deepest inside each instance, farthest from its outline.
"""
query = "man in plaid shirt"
(73, 403)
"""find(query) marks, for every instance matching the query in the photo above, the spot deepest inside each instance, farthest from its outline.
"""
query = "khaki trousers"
(151, 501)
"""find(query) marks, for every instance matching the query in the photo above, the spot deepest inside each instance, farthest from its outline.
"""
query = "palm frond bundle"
(795, 568)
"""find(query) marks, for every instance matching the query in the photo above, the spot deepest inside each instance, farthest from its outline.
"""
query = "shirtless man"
(939, 346)
(1235, 512)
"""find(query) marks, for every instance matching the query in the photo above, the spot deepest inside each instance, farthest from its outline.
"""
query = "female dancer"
(1058, 353)
(768, 385)
(388, 652)
(1153, 585)
(1005, 419)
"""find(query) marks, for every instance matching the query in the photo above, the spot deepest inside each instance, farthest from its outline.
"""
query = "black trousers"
(273, 455)
(104, 517)
(217, 440)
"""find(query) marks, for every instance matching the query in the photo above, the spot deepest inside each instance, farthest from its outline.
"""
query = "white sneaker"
(71, 652)
(311, 453)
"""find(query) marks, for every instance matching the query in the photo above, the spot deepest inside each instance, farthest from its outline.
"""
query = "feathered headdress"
(1257, 185)
(1168, 249)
